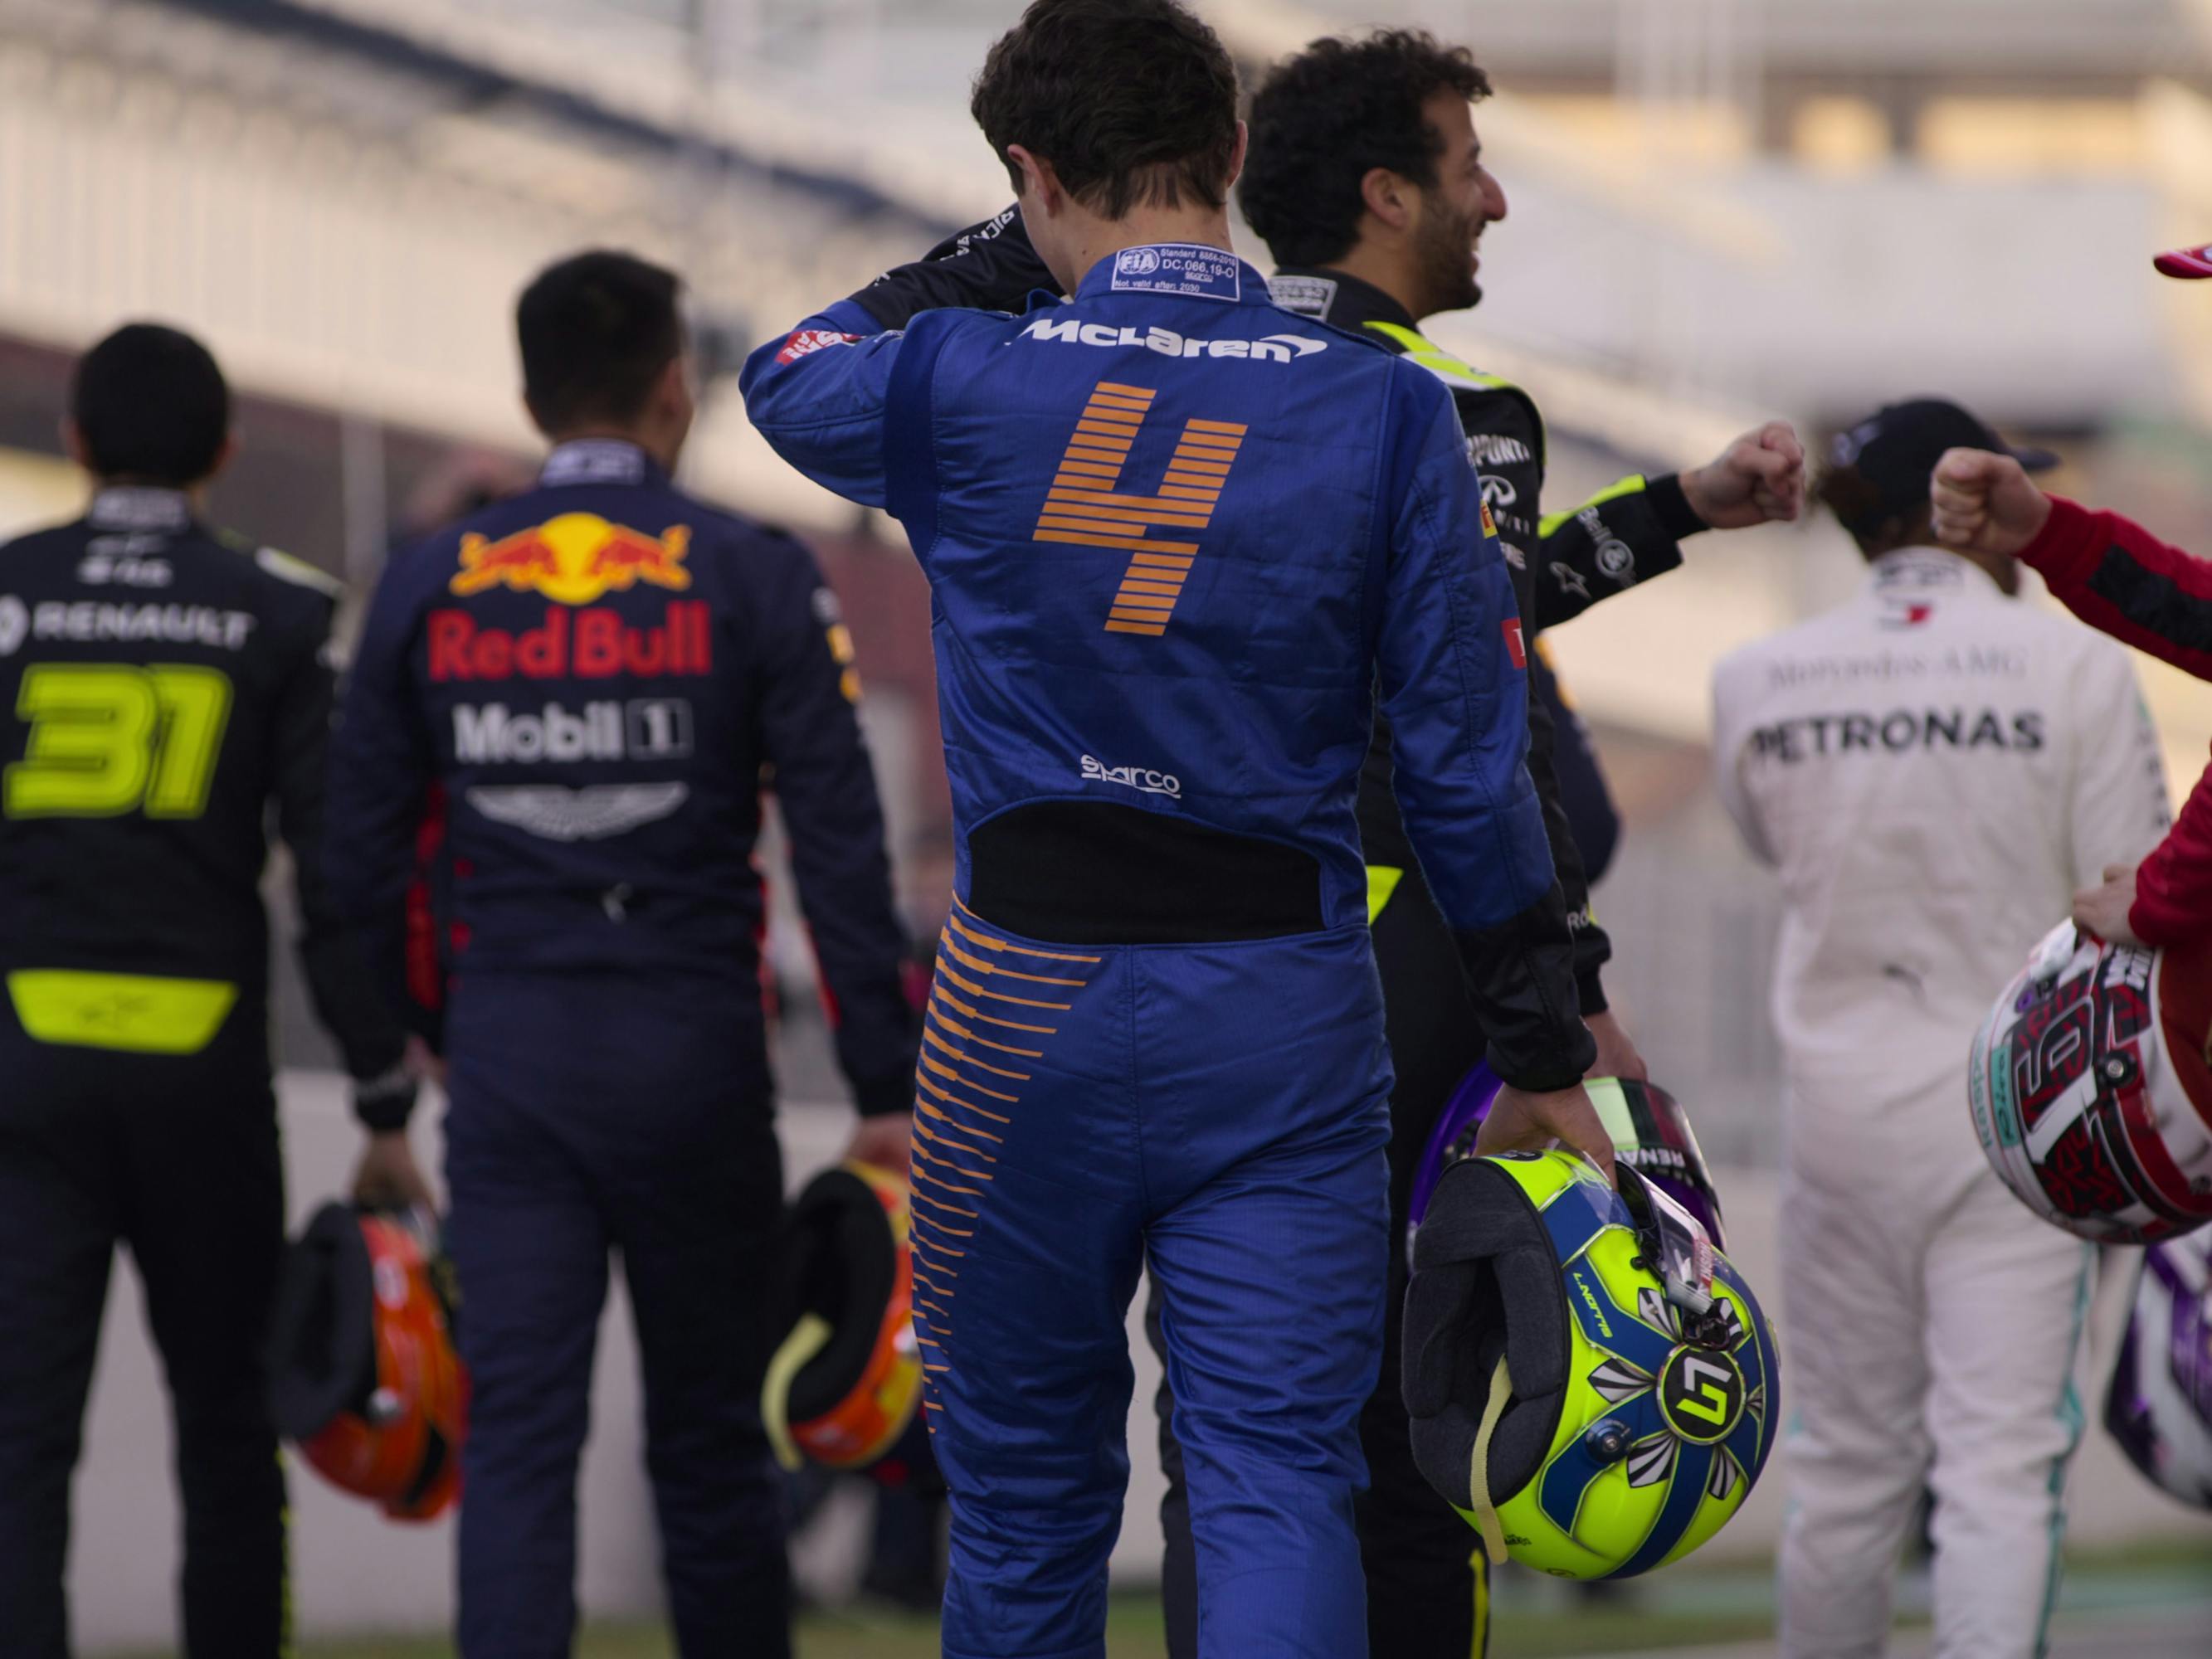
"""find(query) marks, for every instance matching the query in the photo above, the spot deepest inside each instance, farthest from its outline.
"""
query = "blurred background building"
(1721, 209)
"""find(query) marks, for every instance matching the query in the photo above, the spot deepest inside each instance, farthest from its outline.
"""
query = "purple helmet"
(2159, 1406)
(1650, 1132)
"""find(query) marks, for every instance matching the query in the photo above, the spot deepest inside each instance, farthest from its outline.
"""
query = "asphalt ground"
(2143, 1604)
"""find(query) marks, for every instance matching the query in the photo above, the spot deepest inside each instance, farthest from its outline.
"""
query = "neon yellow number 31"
(108, 740)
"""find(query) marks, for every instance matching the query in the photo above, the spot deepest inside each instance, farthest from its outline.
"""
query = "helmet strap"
(1478, 1478)
(808, 1338)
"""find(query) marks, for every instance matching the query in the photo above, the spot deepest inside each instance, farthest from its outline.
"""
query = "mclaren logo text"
(1271, 348)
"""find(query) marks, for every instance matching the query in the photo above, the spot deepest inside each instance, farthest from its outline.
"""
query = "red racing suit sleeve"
(2120, 578)
(2173, 885)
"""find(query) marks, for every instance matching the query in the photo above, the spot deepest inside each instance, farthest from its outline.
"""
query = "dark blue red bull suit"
(597, 678)
(1173, 533)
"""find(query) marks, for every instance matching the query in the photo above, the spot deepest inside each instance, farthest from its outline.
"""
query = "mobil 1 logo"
(659, 728)
(641, 729)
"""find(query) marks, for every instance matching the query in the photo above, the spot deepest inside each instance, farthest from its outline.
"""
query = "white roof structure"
(345, 195)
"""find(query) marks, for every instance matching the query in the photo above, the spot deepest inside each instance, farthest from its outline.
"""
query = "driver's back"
(1159, 524)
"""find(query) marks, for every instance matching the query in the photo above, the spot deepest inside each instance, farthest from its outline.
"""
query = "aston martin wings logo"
(591, 813)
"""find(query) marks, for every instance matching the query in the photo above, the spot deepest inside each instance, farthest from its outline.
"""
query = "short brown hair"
(1133, 101)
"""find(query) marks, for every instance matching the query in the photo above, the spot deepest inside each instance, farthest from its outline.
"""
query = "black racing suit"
(1592, 818)
(1426, 1589)
(166, 689)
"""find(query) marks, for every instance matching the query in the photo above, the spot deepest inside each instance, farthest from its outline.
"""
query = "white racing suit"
(1933, 769)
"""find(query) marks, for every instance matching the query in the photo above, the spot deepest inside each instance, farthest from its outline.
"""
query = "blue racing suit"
(597, 678)
(1174, 535)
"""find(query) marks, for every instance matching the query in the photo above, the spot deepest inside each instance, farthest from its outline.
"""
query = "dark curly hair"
(1133, 101)
(1324, 119)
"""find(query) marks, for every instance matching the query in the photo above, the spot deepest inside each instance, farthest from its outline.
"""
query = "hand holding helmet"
(2090, 1089)
(883, 1142)
(1648, 1127)
(1520, 1121)
(846, 1381)
(1590, 1384)
(364, 1373)
(2103, 910)
(388, 1177)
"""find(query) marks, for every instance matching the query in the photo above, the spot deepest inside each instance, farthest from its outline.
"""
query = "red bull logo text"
(574, 559)
(592, 644)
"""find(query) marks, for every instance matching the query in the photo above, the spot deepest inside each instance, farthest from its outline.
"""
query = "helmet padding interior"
(1485, 1282)
(842, 1266)
(322, 1339)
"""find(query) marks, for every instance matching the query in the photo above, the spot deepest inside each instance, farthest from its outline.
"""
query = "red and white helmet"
(2189, 263)
(2090, 1089)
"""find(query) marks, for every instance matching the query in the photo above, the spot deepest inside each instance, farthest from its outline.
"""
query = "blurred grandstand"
(1722, 209)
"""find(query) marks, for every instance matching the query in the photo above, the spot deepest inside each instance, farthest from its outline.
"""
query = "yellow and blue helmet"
(1590, 1384)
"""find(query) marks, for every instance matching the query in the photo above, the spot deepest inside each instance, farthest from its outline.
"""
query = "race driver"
(596, 679)
(1933, 769)
(1366, 178)
(2118, 577)
(167, 686)
(1173, 532)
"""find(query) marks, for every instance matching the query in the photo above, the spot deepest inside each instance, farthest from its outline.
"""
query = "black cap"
(1895, 449)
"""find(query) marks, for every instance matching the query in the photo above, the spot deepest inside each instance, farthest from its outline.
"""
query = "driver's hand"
(1985, 503)
(1520, 1122)
(1758, 479)
(886, 1141)
(2103, 910)
(1616, 1049)
(388, 1177)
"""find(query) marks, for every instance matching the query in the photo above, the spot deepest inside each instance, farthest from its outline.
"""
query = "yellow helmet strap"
(808, 1338)
(1478, 1476)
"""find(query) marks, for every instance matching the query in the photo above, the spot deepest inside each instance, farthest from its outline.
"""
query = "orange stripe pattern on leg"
(983, 1023)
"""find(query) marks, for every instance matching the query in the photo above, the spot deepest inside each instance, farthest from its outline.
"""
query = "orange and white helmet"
(847, 1379)
(2090, 1089)
(364, 1373)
